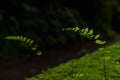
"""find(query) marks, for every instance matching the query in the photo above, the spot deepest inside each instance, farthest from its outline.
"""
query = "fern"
(83, 32)
(86, 33)
(27, 42)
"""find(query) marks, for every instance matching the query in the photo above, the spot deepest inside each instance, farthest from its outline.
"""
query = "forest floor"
(30, 65)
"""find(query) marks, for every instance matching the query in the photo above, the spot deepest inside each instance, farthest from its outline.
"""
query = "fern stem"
(70, 14)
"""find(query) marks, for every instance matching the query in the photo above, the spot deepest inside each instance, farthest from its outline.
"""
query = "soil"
(30, 65)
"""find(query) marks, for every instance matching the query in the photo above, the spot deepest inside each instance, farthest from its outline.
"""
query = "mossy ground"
(93, 66)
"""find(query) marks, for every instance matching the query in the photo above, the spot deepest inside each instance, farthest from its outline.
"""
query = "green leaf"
(31, 41)
(90, 32)
(16, 37)
(38, 53)
(24, 39)
(100, 42)
(92, 36)
(34, 48)
(85, 31)
(82, 30)
(76, 29)
(97, 36)
(28, 40)
(20, 38)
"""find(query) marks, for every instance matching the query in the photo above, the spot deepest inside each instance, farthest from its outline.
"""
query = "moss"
(89, 67)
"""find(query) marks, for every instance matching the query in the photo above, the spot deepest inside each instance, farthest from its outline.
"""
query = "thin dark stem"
(105, 73)
(71, 15)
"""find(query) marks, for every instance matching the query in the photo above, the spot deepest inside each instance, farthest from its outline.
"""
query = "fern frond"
(86, 33)
(29, 42)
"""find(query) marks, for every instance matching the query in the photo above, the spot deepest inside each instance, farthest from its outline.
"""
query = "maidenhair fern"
(86, 33)
(27, 42)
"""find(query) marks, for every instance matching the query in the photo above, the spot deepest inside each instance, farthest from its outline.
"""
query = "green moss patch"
(103, 64)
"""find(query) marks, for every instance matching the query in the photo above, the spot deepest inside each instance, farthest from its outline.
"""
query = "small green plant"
(27, 42)
(86, 33)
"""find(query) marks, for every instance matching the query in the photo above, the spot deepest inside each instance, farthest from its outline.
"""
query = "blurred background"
(43, 21)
